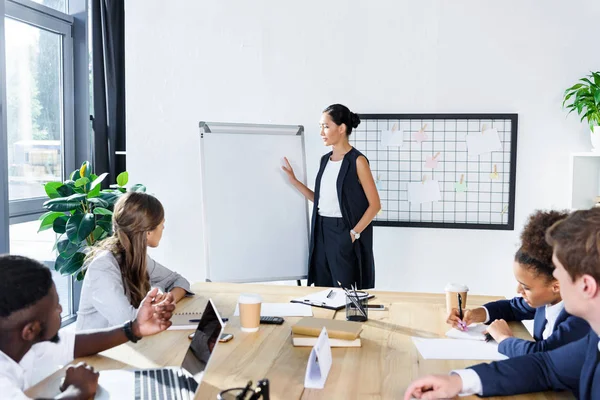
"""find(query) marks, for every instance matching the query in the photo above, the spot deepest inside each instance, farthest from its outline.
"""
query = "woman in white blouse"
(119, 271)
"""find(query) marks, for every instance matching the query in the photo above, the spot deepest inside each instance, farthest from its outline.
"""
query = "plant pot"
(595, 138)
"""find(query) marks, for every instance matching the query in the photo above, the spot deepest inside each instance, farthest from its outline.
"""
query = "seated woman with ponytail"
(119, 270)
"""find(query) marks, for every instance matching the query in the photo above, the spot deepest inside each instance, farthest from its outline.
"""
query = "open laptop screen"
(204, 342)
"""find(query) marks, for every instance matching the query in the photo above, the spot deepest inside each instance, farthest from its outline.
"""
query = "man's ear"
(590, 287)
(31, 331)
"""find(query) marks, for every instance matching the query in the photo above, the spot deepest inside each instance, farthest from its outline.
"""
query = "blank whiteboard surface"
(255, 223)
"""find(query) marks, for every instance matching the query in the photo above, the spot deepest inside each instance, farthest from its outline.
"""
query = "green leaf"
(94, 192)
(75, 175)
(97, 234)
(71, 265)
(109, 197)
(82, 182)
(81, 275)
(597, 97)
(574, 87)
(123, 178)
(80, 226)
(586, 80)
(596, 76)
(48, 221)
(138, 188)
(98, 180)
(60, 224)
(61, 204)
(77, 197)
(106, 225)
(97, 201)
(102, 211)
(66, 190)
(66, 249)
(50, 189)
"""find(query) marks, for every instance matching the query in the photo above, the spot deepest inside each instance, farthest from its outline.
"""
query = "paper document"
(475, 332)
(392, 138)
(319, 363)
(423, 192)
(452, 349)
(483, 142)
(334, 299)
(280, 310)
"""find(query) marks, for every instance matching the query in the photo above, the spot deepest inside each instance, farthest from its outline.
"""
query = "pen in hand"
(461, 324)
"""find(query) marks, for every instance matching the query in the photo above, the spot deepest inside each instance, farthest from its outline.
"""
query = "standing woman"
(345, 202)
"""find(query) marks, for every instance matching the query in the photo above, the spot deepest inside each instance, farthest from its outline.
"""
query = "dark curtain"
(108, 66)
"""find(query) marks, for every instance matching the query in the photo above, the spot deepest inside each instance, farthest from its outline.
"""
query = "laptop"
(172, 383)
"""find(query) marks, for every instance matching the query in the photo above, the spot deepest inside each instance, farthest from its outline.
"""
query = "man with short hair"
(29, 324)
(574, 367)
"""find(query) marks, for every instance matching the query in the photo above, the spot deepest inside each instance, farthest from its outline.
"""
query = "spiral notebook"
(185, 320)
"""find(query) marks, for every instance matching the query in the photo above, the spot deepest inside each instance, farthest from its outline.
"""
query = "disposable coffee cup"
(452, 291)
(249, 304)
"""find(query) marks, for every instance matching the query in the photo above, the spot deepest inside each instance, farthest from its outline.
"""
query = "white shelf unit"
(585, 179)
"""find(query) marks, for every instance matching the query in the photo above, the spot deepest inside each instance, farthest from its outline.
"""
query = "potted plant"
(80, 213)
(585, 99)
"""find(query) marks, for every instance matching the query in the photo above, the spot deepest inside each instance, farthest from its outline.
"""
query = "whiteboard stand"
(255, 223)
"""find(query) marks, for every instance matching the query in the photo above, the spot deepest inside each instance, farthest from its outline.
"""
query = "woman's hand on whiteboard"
(289, 171)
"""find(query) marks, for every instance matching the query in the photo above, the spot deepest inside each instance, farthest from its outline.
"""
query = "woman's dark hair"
(340, 114)
(535, 253)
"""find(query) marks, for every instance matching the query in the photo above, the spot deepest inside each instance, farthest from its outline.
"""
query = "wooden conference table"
(381, 369)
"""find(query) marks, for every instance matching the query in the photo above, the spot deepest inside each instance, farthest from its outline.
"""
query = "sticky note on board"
(483, 142)
(423, 192)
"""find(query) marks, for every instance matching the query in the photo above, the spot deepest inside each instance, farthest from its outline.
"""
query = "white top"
(103, 301)
(551, 316)
(329, 204)
(40, 361)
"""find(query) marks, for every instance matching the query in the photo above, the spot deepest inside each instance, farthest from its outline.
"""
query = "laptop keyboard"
(159, 384)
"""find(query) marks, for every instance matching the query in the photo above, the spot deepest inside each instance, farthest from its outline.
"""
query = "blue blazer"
(572, 367)
(567, 327)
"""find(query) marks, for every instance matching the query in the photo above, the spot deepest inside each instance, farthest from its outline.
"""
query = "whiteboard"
(256, 224)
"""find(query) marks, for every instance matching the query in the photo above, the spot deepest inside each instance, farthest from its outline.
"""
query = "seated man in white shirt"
(30, 347)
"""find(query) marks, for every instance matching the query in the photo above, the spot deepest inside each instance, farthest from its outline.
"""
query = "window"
(40, 139)
(34, 108)
(59, 5)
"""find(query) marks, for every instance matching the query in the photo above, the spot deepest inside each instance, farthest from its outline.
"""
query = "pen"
(460, 313)
(329, 294)
(488, 337)
(243, 394)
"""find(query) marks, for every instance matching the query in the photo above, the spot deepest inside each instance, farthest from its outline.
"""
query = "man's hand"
(80, 381)
(434, 387)
(499, 330)
(153, 318)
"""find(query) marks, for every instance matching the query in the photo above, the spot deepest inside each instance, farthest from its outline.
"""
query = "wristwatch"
(356, 234)
(129, 332)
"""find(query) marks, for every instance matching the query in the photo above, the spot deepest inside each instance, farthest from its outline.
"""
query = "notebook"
(336, 329)
(185, 320)
(309, 341)
(333, 299)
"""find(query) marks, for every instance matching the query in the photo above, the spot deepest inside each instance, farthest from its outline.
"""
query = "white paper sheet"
(392, 138)
(452, 349)
(423, 192)
(319, 363)
(280, 310)
(481, 143)
(475, 332)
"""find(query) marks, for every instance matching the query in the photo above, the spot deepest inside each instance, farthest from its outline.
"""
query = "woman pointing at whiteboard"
(345, 202)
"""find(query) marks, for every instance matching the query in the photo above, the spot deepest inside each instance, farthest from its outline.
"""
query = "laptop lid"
(204, 342)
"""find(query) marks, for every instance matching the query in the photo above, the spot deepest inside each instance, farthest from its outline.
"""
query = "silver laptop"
(169, 383)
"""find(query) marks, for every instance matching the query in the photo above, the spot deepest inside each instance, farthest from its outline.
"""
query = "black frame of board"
(510, 225)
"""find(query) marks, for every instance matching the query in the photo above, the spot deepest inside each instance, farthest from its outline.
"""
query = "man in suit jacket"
(573, 367)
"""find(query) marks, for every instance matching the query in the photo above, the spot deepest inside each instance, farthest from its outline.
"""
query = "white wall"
(283, 62)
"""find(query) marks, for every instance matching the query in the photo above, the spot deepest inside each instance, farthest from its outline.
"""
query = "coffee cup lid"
(456, 287)
(249, 298)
